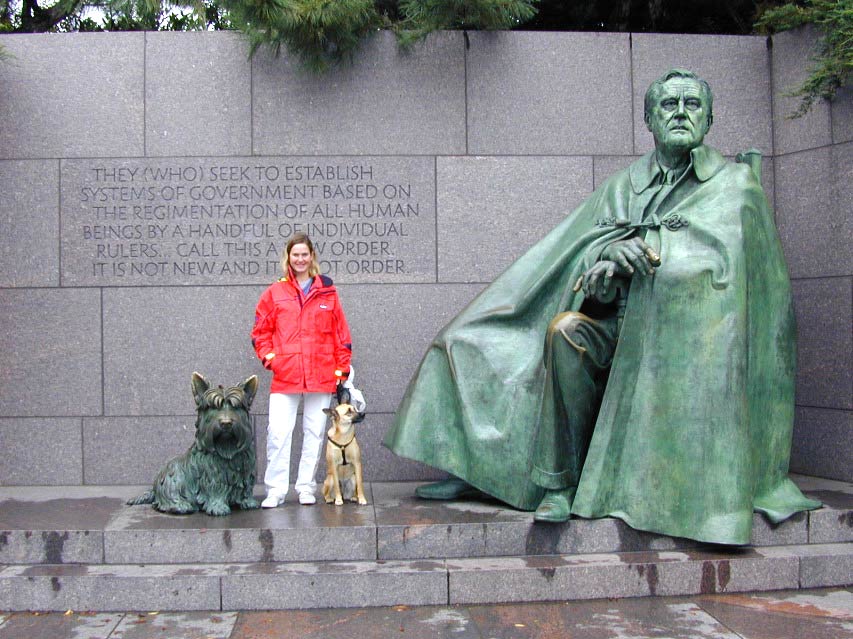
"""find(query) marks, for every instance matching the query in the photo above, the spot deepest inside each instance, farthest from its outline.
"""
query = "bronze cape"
(694, 430)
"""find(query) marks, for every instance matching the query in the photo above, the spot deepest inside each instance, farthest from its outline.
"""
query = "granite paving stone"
(421, 622)
(85, 625)
(815, 614)
(176, 625)
(626, 618)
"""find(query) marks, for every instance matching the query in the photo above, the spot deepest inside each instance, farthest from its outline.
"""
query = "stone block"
(824, 565)
(736, 67)
(288, 533)
(560, 577)
(822, 443)
(386, 102)
(607, 165)
(31, 444)
(29, 220)
(109, 588)
(833, 522)
(132, 450)
(85, 625)
(824, 309)
(842, 116)
(791, 55)
(412, 528)
(392, 326)
(155, 338)
(794, 530)
(811, 213)
(544, 93)
(338, 585)
(46, 526)
(209, 220)
(831, 526)
(197, 94)
(492, 209)
(51, 353)
(51, 546)
(72, 95)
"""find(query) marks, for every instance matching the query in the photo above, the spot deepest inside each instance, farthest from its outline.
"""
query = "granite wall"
(149, 181)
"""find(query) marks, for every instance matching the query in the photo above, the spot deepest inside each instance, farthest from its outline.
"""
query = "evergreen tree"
(834, 60)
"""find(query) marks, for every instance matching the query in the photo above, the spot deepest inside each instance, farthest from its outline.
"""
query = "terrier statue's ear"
(250, 387)
(200, 386)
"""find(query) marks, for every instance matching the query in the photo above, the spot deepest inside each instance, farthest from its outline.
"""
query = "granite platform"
(81, 548)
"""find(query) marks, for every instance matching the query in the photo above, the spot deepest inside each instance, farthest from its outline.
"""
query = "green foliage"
(421, 17)
(320, 32)
(834, 60)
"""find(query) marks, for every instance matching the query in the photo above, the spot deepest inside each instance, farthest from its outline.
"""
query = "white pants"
(280, 434)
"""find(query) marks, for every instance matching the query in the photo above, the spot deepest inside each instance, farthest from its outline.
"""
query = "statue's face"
(678, 118)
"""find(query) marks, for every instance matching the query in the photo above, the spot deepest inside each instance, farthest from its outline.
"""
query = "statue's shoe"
(555, 506)
(446, 489)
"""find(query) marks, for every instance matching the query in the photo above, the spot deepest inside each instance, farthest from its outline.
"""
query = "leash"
(342, 447)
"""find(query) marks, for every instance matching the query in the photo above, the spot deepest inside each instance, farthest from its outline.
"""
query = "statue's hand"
(632, 255)
(598, 280)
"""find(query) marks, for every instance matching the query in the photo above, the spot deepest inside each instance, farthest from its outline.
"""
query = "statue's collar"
(705, 161)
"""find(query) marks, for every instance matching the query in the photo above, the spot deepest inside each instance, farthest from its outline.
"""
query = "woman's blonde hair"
(300, 238)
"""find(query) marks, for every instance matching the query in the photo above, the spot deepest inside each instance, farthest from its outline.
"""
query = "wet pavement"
(802, 614)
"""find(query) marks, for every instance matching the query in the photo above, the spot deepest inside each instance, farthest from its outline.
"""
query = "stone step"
(326, 584)
(91, 525)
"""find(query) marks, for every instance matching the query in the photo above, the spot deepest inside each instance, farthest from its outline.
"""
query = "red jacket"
(308, 334)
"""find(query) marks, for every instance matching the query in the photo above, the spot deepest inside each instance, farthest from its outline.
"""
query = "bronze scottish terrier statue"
(218, 470)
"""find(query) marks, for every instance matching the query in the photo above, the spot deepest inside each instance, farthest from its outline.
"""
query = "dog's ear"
(249, 388)
(200, 386)
(359, 417)
(329, 411)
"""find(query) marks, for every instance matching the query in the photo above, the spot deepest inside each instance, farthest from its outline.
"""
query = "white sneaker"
(272, 501)
(307, 499)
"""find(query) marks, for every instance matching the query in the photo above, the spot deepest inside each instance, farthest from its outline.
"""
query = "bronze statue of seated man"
(668, 405)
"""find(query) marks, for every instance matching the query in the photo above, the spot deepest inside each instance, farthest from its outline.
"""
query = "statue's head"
(678, 110)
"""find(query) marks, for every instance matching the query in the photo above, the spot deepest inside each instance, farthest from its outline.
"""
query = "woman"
(302, 336)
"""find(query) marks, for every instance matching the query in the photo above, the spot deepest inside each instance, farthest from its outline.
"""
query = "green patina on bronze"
(694, 428)
(218, 470)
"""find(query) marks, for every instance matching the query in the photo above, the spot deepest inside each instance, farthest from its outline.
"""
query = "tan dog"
(343, 457)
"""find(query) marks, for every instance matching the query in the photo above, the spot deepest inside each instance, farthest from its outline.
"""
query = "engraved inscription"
(226, 220)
